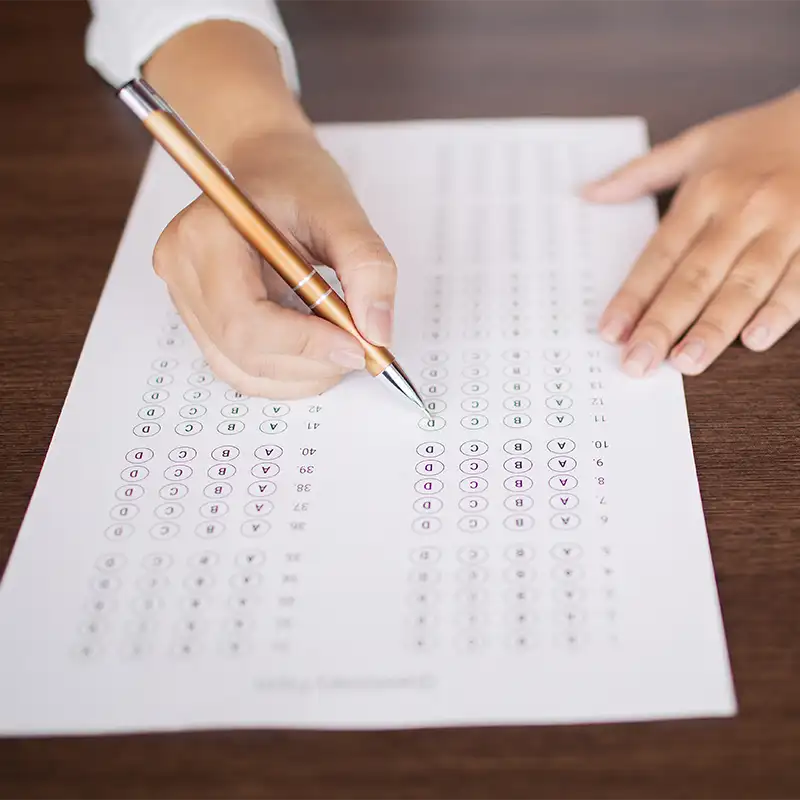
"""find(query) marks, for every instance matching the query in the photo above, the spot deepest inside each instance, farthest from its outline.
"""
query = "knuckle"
(697, 278)
(165, 253)
(764, 201)
(179, 240)
(715, 183)
(752, 282)
(657, 330)
(302, 342)
(660, 252)
(253, 363)
(162, 260)
(712, 329)
(288, 333)
(189, 225)
(709, 182)
(259, 366)
(201, 222)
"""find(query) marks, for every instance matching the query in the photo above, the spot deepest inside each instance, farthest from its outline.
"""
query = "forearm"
(225, 80)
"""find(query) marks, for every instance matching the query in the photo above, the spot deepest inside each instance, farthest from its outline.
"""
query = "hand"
(245, 319)
(253, 331)
(726, 260)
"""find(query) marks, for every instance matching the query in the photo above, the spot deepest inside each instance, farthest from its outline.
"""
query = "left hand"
(726, 260)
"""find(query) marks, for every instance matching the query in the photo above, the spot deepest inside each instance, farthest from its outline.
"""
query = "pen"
(218, 184)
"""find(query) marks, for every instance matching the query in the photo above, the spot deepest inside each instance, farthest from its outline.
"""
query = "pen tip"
(399, 380)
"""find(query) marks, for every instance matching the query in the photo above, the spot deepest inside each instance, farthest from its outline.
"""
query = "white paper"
(336, 596)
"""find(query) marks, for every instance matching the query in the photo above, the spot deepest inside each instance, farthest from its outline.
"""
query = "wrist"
(226, 81)
(271, 151)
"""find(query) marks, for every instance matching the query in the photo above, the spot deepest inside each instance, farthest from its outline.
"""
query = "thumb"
(665, 165)
(346, 241)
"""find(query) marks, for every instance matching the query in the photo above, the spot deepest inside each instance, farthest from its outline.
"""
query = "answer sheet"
(536, 553)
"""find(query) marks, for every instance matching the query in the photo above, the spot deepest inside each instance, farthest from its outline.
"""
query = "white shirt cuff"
(123, 34)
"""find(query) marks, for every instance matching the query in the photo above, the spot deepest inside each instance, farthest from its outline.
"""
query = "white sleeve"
(123, 34)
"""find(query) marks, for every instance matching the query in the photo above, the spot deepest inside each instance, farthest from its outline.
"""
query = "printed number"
(303, 487)
(306, 469)
(308, 451)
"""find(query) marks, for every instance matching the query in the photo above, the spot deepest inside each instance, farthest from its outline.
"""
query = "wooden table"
(69, 161)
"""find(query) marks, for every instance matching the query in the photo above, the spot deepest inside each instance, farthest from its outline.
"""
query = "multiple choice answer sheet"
(535, 553)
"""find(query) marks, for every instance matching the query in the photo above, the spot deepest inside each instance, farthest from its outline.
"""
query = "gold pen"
(218, 184)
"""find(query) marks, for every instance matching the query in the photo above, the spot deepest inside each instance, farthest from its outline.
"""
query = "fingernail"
(757, 338)
(349, 359)
(639, 359)
(611, 330)
(690, 356)
(379, 323)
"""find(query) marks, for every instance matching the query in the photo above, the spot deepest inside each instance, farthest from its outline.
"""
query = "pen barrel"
(307, 283)
(323, 301)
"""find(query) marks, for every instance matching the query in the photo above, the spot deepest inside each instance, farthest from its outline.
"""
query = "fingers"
(744, 290)
(665, 165)
(226, 294)
(681, 226)
(343, 238)
(715, 259)
(779, 314)
(216, 277)
(684, 295)
(320, 213)
(249, 385)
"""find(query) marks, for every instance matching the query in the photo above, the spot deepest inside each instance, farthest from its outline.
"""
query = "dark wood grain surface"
(69, 161)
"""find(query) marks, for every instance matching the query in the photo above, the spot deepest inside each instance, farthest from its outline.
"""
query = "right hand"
(251, 328)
